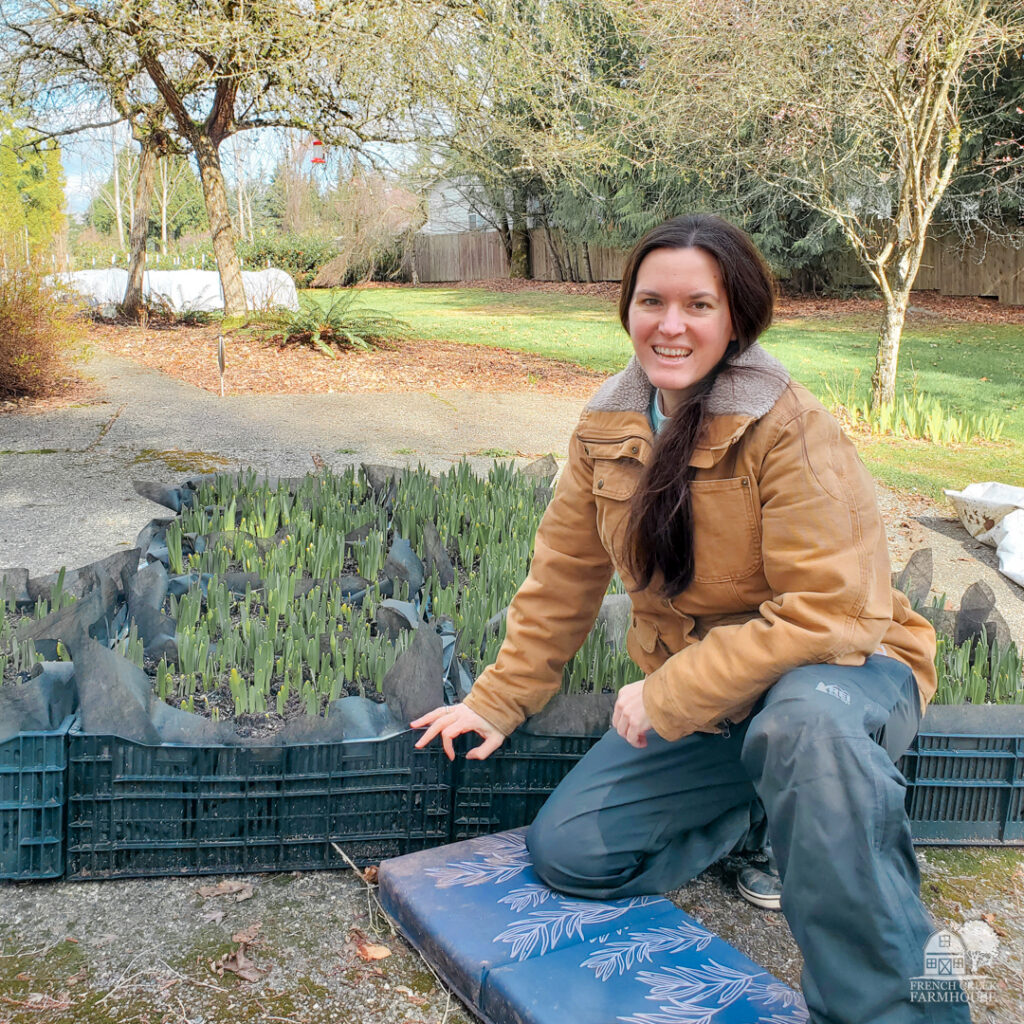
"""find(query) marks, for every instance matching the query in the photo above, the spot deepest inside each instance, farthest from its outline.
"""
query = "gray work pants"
(818, 753)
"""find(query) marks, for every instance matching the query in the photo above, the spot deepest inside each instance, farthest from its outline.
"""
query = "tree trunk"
(118, 216)
(572, 258)
(554, 252)
(519, 260)
(506, 242)
(164, 200)
(248, 214)
(586, 263)
(883, 380)
(132, 305)
(216, 196)
(241, 213)
(240, 196)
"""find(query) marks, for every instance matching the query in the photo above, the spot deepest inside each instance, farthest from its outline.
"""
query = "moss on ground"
(179, 460)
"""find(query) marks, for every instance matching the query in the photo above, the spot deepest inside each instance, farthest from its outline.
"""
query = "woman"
(780, 667)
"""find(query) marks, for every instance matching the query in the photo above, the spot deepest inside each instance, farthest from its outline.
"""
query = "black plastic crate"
(966, 788)
(33, 769)
(508, 788)
(136, 809)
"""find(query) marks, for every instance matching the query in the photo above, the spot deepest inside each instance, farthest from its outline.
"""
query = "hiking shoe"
(761, 885)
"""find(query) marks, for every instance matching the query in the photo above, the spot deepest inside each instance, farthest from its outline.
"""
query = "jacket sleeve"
(554, 609)
(826, 562)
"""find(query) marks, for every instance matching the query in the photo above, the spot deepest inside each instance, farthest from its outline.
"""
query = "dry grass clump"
(37, 329)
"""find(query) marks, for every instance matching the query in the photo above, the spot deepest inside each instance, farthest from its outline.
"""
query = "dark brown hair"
(661, 518)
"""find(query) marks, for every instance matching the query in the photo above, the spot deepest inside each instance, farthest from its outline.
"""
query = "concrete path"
(66, 496)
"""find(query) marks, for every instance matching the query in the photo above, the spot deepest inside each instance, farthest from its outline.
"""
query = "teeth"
(671, 353)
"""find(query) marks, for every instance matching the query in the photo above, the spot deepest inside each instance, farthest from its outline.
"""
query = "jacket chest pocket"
(726, 530)
(615, 482)
(617, 472)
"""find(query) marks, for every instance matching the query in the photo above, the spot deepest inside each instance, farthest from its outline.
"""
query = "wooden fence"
(993, 269)
(605, 263)
(471, 256)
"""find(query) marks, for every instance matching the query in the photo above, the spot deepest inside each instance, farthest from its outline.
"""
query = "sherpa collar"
(749, 386)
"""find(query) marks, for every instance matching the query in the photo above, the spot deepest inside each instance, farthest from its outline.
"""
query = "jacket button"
(745, 482)
(666, 601)
(634, 449)
(586, 451)
(600, 484)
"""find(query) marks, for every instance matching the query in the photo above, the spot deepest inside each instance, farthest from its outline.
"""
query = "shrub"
(37, 327)
(385, 261)
(300, 255)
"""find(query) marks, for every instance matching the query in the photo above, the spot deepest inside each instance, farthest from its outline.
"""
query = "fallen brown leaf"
(220, 889)
(370, 874)
(213, 917)
(248, 935)
(240, 890)
(373, 952)
(365, 949)
(413, 998)
(238, 964)
(23, 976)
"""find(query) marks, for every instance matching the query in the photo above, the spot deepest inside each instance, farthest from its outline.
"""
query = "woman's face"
(679, 320)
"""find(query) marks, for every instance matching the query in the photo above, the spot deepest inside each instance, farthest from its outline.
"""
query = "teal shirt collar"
(657, 417)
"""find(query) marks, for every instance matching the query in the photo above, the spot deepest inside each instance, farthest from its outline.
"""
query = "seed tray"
(965, 789)
(33, 767)
(136, 809)
(507, 789)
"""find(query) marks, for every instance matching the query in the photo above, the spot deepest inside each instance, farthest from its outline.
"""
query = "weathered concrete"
(65, 476)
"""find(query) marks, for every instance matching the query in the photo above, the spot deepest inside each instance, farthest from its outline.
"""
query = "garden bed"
(245, 678)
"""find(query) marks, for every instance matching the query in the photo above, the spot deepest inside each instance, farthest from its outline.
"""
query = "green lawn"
(971, 368)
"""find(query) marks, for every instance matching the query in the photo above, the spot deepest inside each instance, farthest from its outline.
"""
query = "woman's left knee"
(562, 856)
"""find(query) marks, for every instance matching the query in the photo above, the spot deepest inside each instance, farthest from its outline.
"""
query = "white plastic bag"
(1009, 540)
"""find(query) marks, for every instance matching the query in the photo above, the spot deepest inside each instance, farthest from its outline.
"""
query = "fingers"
(429, 717)
(485, 749)
(453, 721)
(429, 734)
(637, 739)
(436, 720)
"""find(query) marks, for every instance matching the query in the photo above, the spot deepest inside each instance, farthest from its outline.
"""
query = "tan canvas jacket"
(791, 561)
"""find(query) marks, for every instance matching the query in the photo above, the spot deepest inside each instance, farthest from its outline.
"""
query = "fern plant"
(342, 324)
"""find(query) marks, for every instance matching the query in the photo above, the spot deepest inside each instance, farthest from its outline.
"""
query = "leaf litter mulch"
(257, 367)
(254, 366)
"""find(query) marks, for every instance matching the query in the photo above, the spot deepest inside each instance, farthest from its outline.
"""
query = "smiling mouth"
(671, 353)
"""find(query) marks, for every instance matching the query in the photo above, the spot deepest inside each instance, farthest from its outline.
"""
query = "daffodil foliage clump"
(297, 594)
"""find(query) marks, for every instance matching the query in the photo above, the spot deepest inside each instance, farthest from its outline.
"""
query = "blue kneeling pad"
(520, 953)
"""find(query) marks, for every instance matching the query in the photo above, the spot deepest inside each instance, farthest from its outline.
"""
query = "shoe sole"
(764, 902)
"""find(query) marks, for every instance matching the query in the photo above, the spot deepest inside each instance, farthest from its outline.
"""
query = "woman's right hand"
(453, 720)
